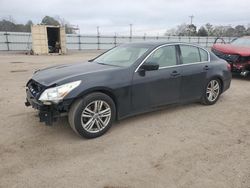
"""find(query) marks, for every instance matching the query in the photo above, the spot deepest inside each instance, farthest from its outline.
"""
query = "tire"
(210, 96)
(93, 115)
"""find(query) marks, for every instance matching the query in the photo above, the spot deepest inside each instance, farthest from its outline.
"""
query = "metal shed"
(48, 39)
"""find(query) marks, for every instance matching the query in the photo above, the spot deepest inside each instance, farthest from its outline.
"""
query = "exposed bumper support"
(48, 117)
(244, 73)
(47, 113)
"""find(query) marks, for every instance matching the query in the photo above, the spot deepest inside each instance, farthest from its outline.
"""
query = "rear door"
(195, 66)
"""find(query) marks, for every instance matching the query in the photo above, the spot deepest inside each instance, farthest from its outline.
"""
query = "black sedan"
(124, 81)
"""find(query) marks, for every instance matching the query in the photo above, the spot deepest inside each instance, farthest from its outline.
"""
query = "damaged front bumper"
(239, 64)
(242, 67)
(48, 112)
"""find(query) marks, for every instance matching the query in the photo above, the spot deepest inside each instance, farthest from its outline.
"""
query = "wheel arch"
(221, 82)
(107, 91)
(220, 79)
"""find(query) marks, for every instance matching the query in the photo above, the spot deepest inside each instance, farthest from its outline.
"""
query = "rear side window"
(189, 54)
(204, 55)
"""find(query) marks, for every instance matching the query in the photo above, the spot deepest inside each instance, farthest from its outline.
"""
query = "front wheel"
(93, 115)
(212, 92)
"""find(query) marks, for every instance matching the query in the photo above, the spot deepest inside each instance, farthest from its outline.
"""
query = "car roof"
(159, 43)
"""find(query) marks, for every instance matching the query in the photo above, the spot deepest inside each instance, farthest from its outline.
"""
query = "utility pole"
(98, 37)
(77, 26)
(98, 30)
(79, 37)
(115, 39)
(191, 23)
(131, 31)
(191, 19)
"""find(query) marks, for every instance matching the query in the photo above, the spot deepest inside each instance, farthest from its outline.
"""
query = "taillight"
(228, 66)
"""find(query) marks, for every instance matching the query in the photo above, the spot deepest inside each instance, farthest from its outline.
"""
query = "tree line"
(209, 30)
(10, 25)
(181, 30)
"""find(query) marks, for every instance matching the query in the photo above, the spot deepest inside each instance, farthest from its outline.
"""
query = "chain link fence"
(17, 41)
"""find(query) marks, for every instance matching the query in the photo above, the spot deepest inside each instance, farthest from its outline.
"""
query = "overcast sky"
(114, 16)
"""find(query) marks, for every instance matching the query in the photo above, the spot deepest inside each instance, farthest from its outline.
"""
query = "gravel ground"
(183, 146)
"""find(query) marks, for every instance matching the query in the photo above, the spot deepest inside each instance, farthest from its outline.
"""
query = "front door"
(157, 87)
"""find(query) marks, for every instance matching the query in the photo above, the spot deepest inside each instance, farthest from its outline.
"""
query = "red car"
(236, 53)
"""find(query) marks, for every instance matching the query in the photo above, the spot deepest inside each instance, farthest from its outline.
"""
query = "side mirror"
(150, 66)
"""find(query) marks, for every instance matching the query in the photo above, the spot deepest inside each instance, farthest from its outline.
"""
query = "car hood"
(61, 73)
(232, 49)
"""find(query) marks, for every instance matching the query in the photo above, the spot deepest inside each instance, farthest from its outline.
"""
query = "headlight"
(56, 94)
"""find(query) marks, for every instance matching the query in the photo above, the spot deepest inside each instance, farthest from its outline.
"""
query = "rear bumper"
(47, 113)
(226, 85)
(227, 77)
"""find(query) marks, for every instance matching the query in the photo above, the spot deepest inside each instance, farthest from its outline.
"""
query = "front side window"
(123, 56)
(164, 56)
(189, 54)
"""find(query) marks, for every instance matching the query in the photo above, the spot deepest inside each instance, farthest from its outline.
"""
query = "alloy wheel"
(96, 116)
(213, 90)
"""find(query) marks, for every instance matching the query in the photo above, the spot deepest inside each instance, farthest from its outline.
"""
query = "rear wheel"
(212, 92)
(93, 115)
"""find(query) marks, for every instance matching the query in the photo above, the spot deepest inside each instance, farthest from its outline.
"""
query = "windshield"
(242, 42)
(122, 56)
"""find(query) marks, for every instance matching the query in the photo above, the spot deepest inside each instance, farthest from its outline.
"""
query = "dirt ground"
(186, 146)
